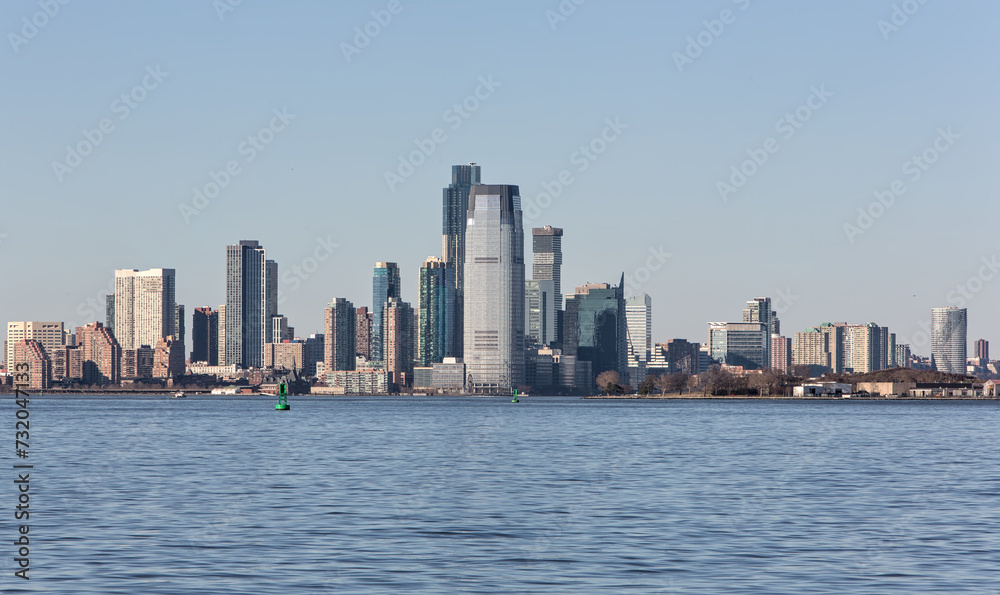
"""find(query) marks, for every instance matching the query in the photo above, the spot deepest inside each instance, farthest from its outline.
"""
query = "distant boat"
(179, 395)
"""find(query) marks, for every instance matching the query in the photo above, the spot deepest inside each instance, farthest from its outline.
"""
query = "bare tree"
(609, 381)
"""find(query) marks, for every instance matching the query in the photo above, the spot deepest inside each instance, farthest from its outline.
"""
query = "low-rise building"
(822, 389)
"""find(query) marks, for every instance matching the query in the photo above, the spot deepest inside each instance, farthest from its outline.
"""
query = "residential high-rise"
(596, 330)
(270, 298)
(398, 319)
(494, 289)
(903, 355)
(759, 310)
(455, 210)
(339, 335)
(363, 336)
(102, 354)
(221, 345)
(435, 322)
(866, 348)
(639, 323)
(48, 334)
(38, 374)
(385, 285)
(315, 351)
(168, 359)
(948, 339)
(247, 303)
(179, 329)
(205, 336)
(781, 353)
(540, 312)
(982, 351)
(109, 310)
(280, 329)
(145, 310)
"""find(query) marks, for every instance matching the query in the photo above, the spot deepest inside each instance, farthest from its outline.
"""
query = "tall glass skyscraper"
(639, 316)
(546, 264)
(246, 315)
(596, 329)
(455, 210)
(435, 330)
(385, 285)
(759, 310)
(494, 289)
(948, 339)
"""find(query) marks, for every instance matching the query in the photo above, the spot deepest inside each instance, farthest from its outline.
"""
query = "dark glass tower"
(246, 304)
(455, 210)
(385, 285)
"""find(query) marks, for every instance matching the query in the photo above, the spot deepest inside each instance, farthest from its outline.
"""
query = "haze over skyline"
(328, 123)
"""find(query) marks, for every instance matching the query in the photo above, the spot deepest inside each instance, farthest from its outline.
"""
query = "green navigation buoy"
(282, 404)
(514, 400)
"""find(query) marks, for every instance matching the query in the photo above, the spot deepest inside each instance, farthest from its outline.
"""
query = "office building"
(546, 265)
(948, 339)
(385, 285)
(455, 211)
(494, 289)
(435, 319)
(639, 324)
(315, 352)
(540, 312)
(179, 328)
(270, 297)
(248, 296)
(596, 331)
(739, 344)
(339, 335)
(145, 310)
(48, 334)
(759, 310)
(109, 310)
(280, 331)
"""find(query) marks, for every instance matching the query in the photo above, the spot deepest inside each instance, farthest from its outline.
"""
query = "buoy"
(514, 400)
(282, 404)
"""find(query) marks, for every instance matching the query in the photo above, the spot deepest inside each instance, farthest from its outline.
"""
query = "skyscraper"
(455, 211)
(759, 310)
(246, 317)
(220, 348)
(179, 330)
(205, 336)
(385, 285)
(109, 310)
(48, 334)
(494, 289)
(363, 336)
(546, 265)
(270, 299)
(948, 339)
(982, 351)
(435, 330)
(639, 319)
(540, 312)
(102, 354)
(597, 330)
(397, 317)
(339, 335)
(145, 311)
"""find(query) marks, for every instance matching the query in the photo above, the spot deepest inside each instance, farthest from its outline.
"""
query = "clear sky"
(685, 113)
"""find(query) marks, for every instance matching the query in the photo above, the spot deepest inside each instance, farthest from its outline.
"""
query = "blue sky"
(887, 95)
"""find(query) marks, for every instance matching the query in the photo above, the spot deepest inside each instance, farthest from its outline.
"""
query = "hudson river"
(148, 495)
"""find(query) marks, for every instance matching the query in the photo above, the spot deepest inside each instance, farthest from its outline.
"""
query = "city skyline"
(692, 124)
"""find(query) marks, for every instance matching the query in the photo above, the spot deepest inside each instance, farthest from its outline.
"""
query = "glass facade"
(435, 324)
(739, 344)
(948, 339)
(596, 329)
(454, 212)
(246, 320)
(385, 285)
(494, 290)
